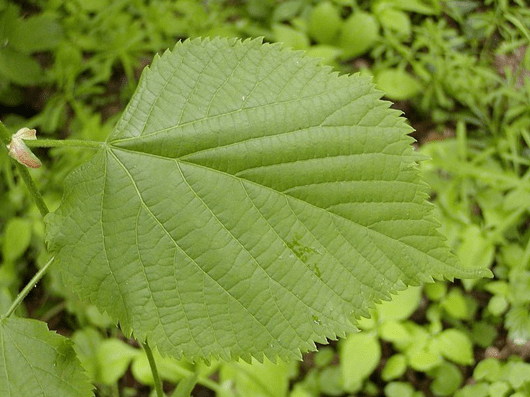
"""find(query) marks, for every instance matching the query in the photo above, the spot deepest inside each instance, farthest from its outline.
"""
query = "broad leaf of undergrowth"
(249, 202)
(36, 362)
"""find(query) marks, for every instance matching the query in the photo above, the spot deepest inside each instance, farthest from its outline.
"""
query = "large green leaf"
(35, 362)
(248, 202)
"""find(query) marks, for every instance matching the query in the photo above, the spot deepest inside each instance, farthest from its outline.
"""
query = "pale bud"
(20, 152)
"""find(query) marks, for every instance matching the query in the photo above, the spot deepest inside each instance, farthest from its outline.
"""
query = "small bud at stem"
(20, 152)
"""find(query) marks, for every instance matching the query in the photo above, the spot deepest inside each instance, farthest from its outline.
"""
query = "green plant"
(20, 39)
(248, 203)
(494, 378)
(426, 349)
(482, 198)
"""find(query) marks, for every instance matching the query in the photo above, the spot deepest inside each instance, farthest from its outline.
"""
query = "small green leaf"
(447, 379)
(185, 386)
(499, 389)
(292, 38)
(456, 346)
(331, 381)
(101, 320)
(519, 286)
(38, 33)
(434, 315)
(511, 254)
(399, 389)
(394, 368)
(300, 391)
(483, 334)
(366, 323)
(423, 356)
(325, 53)
(477, 390)
(498, 288)
(435, 291)
(488, 369)
(420, 348)
(36, 362)
(519, 374)
(257, 379)
(113, 357)
(287, 10)
(394, 331)
(17, 236)
(401, 306)
(397, 84)
(323, 356)
(515, 199)
(455, 304)
(325, 23)
(19, 68)
(517, 321)
(359, 33)
(87, 341)
(395, 20)
(359, 355)
(476, 249)
(497, 305)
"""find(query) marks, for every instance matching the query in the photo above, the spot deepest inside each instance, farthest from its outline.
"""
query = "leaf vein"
(179, 248)
(178, 125)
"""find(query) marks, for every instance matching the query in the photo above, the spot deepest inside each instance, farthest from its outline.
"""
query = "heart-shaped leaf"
(249, 202)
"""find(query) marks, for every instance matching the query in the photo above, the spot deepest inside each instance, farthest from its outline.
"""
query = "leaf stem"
(154, 370)
(34, 192)
(29, 286)
(64, 143)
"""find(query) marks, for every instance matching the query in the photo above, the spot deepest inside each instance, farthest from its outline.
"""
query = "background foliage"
(459, 71)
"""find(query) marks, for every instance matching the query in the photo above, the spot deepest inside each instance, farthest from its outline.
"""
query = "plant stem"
(34, 192)
(29, 286)
(30, 183)
(4, 134)
(201, 380)
(64, 143)
(154, 370)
